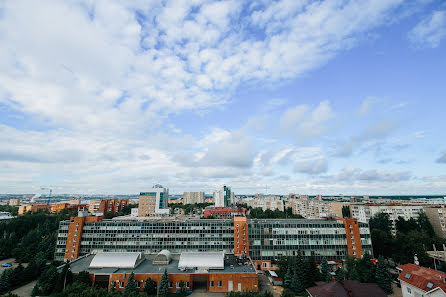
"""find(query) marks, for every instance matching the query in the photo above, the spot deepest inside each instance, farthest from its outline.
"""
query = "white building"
(193, 197)
(266, 202)
(223, 197)
(417, 281)
(363, 212)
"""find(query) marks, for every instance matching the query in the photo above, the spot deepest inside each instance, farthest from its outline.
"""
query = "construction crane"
(51, 192)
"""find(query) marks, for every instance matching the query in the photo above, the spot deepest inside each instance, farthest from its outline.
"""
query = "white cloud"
(430, 31)
(311, 166)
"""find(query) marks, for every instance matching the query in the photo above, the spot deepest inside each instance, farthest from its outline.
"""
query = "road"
(25, 291)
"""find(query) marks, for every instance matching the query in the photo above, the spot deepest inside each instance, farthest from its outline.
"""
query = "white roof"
(203, 260)
(118, 260)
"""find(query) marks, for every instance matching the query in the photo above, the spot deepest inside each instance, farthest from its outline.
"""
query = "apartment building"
(266, 202)
(363, 212)
(264, 240)
(34, 207)
(193, 197)
(224, 212)
(14, 202)
(437, 217)
(107, 205)
(154, 202)
(314, 209)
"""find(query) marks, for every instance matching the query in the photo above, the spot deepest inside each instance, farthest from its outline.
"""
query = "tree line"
(299, 274)
(125, 211)
(412, 237)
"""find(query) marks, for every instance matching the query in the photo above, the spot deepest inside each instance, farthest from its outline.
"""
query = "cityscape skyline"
(267, 97)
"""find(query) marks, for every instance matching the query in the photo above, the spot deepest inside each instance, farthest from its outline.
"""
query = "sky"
(285, 96)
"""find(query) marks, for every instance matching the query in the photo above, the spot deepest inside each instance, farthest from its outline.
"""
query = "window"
(265, 264)
(219, 284)
(211, 284)
(178, 284)
(121, 284)
(170, 284)
(408, 276)
(187, 284)
(409, 290)
(429, 285)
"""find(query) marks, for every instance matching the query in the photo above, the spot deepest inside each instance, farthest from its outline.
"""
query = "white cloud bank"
(430, 31)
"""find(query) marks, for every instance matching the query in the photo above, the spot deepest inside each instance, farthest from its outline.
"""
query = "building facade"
(107, 205)
(14, 202)
(437, 217)
(153, 201)
(193, 197)
(224, 212)
(264, 240)
(266, 202)
(363, 212)
(417, 281)
(223, 197)
(34, 208)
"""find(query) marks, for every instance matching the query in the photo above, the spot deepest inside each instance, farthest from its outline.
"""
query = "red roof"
(343, 288)
(420, 277)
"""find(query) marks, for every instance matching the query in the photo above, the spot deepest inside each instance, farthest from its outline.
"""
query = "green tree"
(339, 274)
(287, 293)
(288, 278)
(366, 269)
(47, 280)
(150, 287)
(300, 273)
(83, 277)
(383, 277)
(346, 211)
(312, 273)
(425, 225)
(182, 286)
(130, 287)
(35, 291)
(164, 285)
(381, 221)
(325, 271)
(65, 278)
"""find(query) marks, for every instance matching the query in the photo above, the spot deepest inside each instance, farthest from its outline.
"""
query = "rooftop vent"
(429, 285)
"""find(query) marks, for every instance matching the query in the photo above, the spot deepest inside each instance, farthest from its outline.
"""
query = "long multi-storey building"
(193, 197)
(437, 217)
(363, 212)
(107, 205)
(315, 209)
(266, 202)
(264, 240)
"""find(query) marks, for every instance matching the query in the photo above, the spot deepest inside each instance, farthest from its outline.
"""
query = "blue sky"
(317, 97)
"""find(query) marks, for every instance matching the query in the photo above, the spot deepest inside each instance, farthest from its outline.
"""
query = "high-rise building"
(223, 197)
(437, 217)
(193, 197)
(154, 202)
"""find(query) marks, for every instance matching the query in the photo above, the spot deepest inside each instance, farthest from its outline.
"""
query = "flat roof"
(146, 266)
(115, 260)
(202, 260)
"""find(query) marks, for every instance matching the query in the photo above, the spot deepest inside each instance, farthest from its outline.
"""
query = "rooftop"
(342, 289)
(423, 278)
(115, 260)
(146, 266)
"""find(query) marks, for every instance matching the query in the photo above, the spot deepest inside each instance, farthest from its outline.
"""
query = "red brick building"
(224, 212)
(212, 271)
(107, 205)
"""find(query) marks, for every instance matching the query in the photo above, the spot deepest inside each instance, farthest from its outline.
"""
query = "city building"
(70, 207)
(421, 281)
(224, 212)
(34, 207)
(213, 271)
(314, 209)
(266, 202)
(14, 202)
(363, 212)
(154, 202)
(437, 217)
(193, 197)
(107, 205)
(224, 197)
(346, 288)
(264, 240)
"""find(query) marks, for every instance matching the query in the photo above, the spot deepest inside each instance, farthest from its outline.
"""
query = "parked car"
(6, 265)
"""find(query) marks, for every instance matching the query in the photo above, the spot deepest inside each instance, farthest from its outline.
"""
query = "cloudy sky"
(266, 96)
